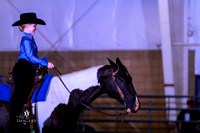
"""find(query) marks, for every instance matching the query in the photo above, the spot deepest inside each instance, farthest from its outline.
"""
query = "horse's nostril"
(137, 105)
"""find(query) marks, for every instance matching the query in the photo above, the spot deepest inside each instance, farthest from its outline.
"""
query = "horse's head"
(118, 84)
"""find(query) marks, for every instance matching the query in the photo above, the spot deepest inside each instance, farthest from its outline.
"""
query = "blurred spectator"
(187, 117)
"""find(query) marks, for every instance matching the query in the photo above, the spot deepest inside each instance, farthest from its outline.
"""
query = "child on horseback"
(25, 67)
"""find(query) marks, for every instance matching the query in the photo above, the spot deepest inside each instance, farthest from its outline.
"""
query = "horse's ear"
(119, 62)
(113, 65)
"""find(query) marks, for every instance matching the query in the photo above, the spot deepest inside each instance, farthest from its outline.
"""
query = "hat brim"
(37, 21)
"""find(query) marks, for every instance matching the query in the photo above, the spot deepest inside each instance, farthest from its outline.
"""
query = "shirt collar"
(27, 35)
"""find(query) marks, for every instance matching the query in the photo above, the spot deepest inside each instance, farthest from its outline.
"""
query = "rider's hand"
(50, 65)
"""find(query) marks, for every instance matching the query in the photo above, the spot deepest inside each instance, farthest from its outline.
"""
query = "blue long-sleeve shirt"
(29, 50)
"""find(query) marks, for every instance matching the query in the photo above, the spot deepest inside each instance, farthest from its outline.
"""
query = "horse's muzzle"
(136, 107)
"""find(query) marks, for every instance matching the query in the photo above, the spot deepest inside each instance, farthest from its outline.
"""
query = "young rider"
(24, 69)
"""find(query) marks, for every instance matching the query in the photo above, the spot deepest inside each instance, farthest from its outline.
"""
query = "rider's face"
(30, 28)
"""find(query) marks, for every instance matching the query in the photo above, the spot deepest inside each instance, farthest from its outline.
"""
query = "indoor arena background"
(83, 33)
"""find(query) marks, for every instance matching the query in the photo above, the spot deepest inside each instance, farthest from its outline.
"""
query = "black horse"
(113, 79)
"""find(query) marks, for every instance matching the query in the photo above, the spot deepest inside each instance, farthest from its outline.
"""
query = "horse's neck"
(92, 93)
(82, 79)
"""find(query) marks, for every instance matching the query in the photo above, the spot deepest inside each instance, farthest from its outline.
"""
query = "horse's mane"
(103, 73)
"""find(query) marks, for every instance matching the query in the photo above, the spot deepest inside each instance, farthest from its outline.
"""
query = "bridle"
(118, 88)
(116, 84)
(123, 113)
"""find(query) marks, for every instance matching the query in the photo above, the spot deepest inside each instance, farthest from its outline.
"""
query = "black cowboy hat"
(26, 18)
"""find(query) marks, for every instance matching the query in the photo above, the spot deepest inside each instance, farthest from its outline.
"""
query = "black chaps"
(23, 73)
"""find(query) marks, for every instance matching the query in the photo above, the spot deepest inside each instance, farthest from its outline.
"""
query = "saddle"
(38, 80)
(27, 114)
(39, 74)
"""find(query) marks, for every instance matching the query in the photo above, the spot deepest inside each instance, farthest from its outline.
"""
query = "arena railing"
(147, 108)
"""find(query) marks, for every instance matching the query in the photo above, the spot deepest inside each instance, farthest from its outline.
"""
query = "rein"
(123, 113)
